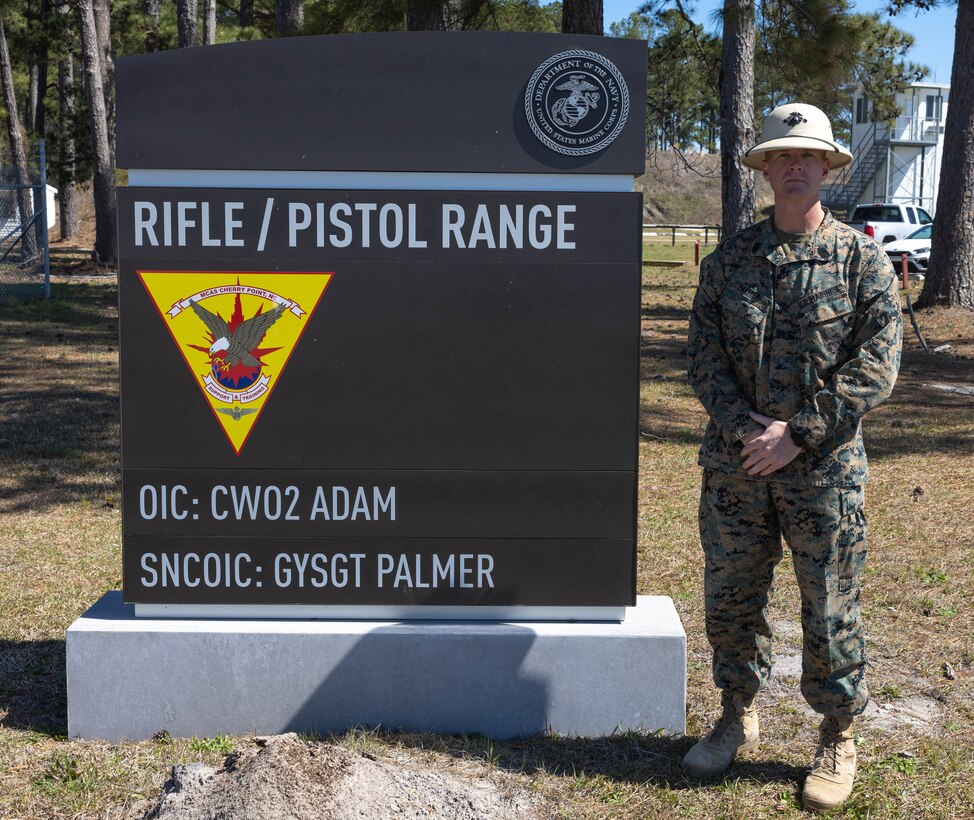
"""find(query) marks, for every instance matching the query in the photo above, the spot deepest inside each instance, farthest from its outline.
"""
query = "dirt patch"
(923, 714)
(284, 777)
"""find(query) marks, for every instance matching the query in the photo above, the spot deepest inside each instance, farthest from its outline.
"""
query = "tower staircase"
(870, 155)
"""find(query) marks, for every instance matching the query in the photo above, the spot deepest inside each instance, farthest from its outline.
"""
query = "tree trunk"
(106, 242)
(17, 150)
(425, 15)
(209, 22)
(950, 278)
(30, 115)
(290, 17)
(737, 115)
(35, 118)
(245, 16)
(103, 30)
(67, 202)
(186, 23)
(581, 17)
(151, 9)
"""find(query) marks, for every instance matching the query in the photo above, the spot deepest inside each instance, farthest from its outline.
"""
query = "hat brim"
(838, 156)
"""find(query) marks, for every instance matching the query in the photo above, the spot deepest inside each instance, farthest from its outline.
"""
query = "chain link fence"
(25, 266)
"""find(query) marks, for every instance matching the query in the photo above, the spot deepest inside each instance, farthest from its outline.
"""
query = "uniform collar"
(819, 248)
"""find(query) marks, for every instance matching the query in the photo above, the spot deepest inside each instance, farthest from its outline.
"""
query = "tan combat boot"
(830, 782)
(735, 731)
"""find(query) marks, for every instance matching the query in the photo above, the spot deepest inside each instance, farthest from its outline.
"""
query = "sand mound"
(284, 777)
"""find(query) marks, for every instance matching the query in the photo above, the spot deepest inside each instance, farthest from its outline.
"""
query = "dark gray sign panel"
(422, 101)
(373, 397)
(343, 571)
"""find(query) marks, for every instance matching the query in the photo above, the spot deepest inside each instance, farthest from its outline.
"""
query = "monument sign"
(380, 307)
(380, 327)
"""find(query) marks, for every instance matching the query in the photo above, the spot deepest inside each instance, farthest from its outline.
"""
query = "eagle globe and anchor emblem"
(583, 97)
(576, 102)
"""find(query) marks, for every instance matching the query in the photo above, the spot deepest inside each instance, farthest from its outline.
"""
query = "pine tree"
(581, 17)
(737, 115)
(106, 239)
(17, 147)
(950, 277)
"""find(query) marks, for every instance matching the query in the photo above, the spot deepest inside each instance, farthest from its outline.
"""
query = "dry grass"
(85, 235)
(684, 189)
(60, 549)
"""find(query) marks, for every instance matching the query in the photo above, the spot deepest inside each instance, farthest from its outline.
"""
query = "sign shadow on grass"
(33, 687)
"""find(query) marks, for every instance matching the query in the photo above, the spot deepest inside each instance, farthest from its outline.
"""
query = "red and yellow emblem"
(236, 332)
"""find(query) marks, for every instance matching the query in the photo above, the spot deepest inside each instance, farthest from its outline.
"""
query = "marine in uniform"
(795, 334)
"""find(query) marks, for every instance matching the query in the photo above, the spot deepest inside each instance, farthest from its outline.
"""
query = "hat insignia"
(795, 118)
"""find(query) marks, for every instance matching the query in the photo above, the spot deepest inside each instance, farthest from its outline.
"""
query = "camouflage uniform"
(810, 335)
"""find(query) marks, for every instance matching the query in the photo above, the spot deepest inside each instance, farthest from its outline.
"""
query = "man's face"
(795, 173)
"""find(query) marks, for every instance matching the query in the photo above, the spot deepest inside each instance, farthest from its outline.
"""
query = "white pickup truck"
(886, 222)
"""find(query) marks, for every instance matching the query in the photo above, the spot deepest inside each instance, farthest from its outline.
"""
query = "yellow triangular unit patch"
(236, 332)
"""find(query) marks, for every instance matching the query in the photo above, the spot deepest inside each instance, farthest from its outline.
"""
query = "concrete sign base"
(128, 678)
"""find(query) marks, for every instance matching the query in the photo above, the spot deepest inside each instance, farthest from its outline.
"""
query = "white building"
(898, 164)
(10, 213)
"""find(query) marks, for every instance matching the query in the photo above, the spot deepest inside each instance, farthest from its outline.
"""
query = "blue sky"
(933, 30)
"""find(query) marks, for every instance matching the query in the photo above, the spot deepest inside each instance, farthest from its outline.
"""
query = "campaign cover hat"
(797, 125)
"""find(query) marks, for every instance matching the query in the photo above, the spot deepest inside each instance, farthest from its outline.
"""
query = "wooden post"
(905, 268)
(696, 254)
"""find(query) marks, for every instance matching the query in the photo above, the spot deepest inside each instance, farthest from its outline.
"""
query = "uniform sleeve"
(868, 376)
(708, 367)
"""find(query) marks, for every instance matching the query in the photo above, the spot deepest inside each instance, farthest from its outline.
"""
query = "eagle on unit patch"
(237, 346)
(234, 349)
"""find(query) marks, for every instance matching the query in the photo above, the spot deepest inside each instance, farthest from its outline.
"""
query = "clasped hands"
(769, 450)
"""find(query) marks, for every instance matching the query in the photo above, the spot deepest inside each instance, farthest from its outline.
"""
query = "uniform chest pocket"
(743, 311)
(825, 306)
(826, 318)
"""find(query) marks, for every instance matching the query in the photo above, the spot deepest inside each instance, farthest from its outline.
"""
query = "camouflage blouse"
(811, 336)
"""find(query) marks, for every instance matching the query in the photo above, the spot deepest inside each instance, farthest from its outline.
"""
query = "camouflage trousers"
(741, 525)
